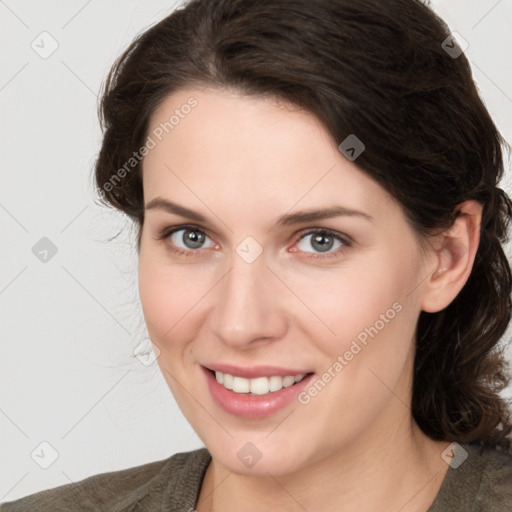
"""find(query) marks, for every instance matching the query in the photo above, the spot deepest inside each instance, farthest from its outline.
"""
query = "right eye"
(191, 237)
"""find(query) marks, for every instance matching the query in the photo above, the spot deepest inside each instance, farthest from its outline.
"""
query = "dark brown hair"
(382, 71)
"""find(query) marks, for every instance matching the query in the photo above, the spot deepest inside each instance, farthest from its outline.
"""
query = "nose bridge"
(247, 308)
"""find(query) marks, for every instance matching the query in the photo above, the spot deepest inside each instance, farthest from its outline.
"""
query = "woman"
(320, 260)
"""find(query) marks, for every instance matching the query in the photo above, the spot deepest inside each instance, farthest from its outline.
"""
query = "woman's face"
(252, 290)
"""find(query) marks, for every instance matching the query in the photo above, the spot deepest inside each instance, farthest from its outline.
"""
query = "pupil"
(323, 246)
(194, 238)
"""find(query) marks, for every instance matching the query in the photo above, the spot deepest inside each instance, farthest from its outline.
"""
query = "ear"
(453, 253)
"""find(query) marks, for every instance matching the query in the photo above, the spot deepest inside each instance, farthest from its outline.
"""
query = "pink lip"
(254, 406)
(255, 371)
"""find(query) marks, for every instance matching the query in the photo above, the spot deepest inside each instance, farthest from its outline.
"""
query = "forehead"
(259, 150)
(227, 123)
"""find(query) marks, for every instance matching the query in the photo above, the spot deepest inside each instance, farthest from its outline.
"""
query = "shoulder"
(496, 481)
(480, 480)
(145, 485)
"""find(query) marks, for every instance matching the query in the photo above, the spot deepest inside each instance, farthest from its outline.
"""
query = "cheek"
(368, 355)
(170, 297)
(161, 294)
(376, 327)
(367, 310)
(347, 302)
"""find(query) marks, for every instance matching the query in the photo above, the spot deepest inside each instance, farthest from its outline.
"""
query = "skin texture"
(242, 162)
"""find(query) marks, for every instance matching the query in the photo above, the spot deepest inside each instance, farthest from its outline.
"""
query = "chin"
(258, 455)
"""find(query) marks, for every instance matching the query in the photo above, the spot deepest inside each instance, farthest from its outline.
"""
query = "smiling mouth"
(256, 386)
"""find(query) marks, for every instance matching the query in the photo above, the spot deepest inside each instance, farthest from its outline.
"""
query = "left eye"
(322, 241)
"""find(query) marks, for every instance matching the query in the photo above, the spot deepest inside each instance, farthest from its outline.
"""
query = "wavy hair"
(382, 71)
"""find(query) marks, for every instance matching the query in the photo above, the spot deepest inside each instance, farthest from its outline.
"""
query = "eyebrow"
(289, 219)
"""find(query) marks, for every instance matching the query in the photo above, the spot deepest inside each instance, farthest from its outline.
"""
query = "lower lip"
(253, 406)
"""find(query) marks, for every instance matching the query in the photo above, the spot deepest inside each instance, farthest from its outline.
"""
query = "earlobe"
(454, 253)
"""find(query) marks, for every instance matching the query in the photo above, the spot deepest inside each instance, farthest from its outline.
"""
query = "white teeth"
(240, 385)
(276, 383)
(227, 380)
(257, 386)
(288, 381)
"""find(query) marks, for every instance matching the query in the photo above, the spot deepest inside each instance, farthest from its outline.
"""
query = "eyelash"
(344, 239)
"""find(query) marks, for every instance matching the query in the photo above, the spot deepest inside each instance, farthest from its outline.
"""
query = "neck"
(396, 468)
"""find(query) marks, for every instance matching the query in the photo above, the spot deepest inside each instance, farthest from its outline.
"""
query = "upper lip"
(254, 371)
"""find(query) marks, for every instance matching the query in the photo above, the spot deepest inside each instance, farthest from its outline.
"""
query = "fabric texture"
(481, 483)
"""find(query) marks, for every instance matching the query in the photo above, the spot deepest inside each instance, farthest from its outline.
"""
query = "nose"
(249, 304)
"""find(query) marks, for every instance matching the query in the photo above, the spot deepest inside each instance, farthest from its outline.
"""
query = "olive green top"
(476, 481)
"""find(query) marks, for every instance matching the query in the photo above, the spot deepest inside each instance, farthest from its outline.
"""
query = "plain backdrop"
(74, 400)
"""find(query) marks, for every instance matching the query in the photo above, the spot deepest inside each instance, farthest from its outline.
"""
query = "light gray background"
(69, 326)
